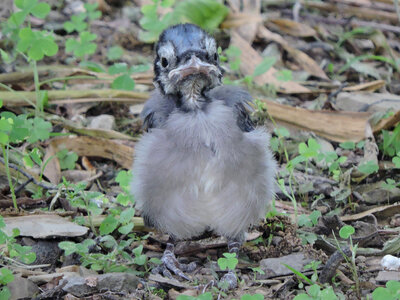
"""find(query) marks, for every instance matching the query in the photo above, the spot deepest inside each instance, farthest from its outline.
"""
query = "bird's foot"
(228, 281)
(170, 263)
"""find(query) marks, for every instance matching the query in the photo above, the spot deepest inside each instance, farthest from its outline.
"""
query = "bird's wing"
(239, 99)
(156, 110)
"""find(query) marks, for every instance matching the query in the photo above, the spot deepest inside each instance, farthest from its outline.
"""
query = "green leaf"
(6, 276)
(346, 231)
(41, 10)
(314, 291)
(381, 293)
(115, 53)
(40, 130)
(124, 178)
(3, 138)
(118, 68)
(314, 216)
(282, 132)
(68, 247)
(36, 156)
(92, 66)
(139, 68)
(67, 159)
(396, 161)
(140, 260)
(348, 145)
(83, 46)
(264, 66)
(284, 75)
(127, 215)
(394, 287)
(109, 224)
(36, 44)
(138, 250)
(123, 82)
(77, 23)
(368, 167)
(5, 293)
(328, 294)
(302, 297)
(207, 14)
(92, 12)
(124, 200)
(126, 228)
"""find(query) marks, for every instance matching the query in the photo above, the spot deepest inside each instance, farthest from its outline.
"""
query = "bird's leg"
(229, 280)
(170, 263)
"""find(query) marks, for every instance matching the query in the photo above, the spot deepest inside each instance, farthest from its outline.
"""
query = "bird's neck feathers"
(193, 98)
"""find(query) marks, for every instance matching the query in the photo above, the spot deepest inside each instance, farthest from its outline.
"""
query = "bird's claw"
(228, 281)
(170, 263)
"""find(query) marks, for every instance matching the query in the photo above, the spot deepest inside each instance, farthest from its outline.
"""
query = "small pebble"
(390, 262)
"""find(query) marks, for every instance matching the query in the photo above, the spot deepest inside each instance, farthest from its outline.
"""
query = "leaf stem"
(39, 104)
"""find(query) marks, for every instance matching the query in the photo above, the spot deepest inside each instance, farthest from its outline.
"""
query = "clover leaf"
(77, 23)
(83, 46)
(36, 44)
(39, 10)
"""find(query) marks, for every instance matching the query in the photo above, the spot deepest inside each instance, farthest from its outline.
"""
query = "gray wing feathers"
(156, 110)
(240, 100)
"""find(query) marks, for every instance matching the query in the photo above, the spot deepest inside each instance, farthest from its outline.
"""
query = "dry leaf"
(293, 28)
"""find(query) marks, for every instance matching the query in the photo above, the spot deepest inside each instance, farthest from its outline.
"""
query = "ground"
(324, 76)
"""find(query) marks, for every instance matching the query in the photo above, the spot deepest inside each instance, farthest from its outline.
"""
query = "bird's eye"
(215, 56)
(164, 62)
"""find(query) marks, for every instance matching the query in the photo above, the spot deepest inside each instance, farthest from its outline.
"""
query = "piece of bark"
(292, 28)
(384, 212)
(97, 147)
(348, 10)
(72, 96)
(332, 125)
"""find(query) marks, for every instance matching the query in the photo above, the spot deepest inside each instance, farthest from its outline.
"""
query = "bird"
(201, 165)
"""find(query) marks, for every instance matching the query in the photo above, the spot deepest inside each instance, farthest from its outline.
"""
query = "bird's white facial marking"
(211, 46)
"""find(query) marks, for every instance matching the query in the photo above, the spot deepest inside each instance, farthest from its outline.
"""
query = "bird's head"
(186, 63)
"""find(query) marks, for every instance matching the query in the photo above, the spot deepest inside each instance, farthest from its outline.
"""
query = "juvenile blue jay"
(202, 166)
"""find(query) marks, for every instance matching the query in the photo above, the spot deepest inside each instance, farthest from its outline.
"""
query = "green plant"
(333, 162)
(17, 129)
(308, 221)
(6, 276)
(118, 257)
(345, 233)
(206, 13)
(315, 293)
(9, 253)
(205, 296)
(368, 167)
(229, 261)
(390, 184)
(252, 297)
(390, 292)
(83, 46)
(314, 266)
(396, 160)
(390, 141)
(67, 159)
